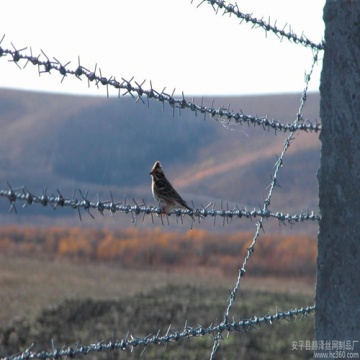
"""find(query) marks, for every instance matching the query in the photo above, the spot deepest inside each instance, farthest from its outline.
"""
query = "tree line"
(276, 254)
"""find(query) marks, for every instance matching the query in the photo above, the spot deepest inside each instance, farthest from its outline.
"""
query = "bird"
(164, 193)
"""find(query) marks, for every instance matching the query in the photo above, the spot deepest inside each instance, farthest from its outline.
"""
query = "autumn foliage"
(274, 254)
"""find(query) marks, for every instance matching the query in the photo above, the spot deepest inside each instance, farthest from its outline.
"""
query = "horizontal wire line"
(280, 33)
(136, 209)
(220, 114)
(170, 336)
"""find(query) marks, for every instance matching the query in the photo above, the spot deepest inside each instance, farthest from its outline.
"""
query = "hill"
(99, 144)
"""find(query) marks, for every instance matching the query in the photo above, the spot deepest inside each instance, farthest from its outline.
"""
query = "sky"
(173, 43)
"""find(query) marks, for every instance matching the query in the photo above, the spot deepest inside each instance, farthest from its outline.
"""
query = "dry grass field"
(67, 302)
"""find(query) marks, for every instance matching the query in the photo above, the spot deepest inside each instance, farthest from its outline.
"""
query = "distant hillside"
(99, 144)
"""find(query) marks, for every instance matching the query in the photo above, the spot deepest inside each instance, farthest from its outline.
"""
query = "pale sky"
(173, 43)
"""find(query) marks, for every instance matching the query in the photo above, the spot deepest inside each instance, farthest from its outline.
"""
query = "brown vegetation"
(278, 255)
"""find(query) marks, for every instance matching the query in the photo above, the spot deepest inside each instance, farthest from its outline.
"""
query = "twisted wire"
(274, 182)
(138, 92)
(170, 336)
(248, 18)
(83, 203)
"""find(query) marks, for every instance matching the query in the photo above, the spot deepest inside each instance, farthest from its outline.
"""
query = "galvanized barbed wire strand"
(137, 91)
(170, 336)
(86, 205)
(281, 33)
(274, 182)
(259, 223)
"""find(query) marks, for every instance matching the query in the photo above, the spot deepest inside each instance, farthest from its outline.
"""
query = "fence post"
(337, 315)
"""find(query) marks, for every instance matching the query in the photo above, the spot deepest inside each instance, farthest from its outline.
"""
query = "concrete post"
(337, 315)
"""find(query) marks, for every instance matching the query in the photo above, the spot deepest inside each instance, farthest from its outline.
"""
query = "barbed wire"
(233, 9)
(170, 336)
(56, 201)
(221, 114)
(259, 223)
(137, 91)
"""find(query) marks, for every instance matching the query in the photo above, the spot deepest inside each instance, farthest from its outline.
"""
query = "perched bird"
(163, 192)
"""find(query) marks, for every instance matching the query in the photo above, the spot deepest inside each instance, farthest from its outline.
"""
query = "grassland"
(43, 300)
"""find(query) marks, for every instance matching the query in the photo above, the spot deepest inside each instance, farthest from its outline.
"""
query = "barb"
(55, 201)
(248, 18)
(137, 91)
(170, 336)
